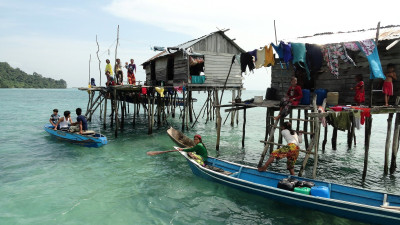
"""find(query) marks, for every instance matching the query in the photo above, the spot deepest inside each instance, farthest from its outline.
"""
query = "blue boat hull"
(345, 201)
(96, 140)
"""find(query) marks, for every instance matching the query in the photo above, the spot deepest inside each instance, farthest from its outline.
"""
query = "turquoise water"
(47, 181)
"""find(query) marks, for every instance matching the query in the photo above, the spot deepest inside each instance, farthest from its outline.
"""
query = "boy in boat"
(54, 117)
(387, 88)
(198, 152)
(81, 124)
(64, 122)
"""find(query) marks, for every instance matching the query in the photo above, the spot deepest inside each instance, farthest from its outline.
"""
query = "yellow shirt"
(269, 56)
(109, 68)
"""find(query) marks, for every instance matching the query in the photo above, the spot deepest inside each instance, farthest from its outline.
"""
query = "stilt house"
(324, 79)
(200, 63)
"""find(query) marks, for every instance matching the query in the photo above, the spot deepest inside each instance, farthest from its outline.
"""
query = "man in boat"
(54, 117)
(198, 152)
(64, 122)
(81, 124)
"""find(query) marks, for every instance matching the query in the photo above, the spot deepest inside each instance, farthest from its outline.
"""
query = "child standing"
(359, 88)
(387, 88)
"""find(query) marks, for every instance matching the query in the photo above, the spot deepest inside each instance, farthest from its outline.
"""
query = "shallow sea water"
(47, 181)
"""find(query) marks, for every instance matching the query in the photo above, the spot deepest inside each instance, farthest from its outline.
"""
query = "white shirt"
(295, 139)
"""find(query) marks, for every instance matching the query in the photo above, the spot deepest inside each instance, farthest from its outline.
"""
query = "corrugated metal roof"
(191, 43)
(385, 33)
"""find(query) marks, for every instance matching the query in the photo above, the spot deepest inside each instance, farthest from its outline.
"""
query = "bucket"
(320, 191)
(321, 95)
(332, 98)
(258, 99)
(306, 97)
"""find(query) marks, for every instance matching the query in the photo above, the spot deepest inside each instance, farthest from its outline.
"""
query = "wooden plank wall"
(347, 72)
(215, 43)
(180, 69)
(217, 67)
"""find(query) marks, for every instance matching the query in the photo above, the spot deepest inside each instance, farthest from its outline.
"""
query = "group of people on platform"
(119, 74)
(65, 123)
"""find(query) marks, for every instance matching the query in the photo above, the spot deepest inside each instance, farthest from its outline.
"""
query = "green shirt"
(199, 149)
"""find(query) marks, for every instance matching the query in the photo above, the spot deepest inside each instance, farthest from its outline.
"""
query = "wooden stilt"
(218, 119)
(116, 113)
(190, 108)
(183, 116)
(158, 110)
(334, 138)
(149, 115)
(305, 127)
(325, 138)
(267, 124)
(152, 111)
(105, 113)
(266, 147)
(395, 145)
(244, 126)
(233, 112)
(368, 126)
(387, 145)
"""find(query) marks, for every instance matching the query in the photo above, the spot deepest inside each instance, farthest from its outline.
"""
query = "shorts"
(290, 151)
(387, 88)
(197, 158)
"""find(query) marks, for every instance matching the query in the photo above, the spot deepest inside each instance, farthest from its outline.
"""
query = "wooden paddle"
(159, 152)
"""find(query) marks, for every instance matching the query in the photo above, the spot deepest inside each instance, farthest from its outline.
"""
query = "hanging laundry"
(246, 60)
(365, 112)
(332, 53)
(368, 47)
(284, 51)
(269, 56)
(254, 54)
(178, 89)
(351, 46)
(144, 90)
(237, 58)
(340, 120)
(260, 58)
(160, 91)
(299, 57)
(314, 57)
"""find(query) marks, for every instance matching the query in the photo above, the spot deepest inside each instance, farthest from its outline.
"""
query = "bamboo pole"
(368, 126)
(305, 127)
(183, 116)
(149, 131)
(395, 145)
(105, 113)
(116, 113)
(388, 140)
(233, 113)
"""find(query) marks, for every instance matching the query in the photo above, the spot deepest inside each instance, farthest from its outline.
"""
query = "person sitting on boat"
(290, 151)
(64, 122)
(292, 98)
(198, 152)
(54, 117)
(81, 123)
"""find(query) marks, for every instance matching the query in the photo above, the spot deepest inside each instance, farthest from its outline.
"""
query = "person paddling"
(197, 152)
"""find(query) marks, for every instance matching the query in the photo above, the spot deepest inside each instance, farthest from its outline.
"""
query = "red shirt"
(295, 94)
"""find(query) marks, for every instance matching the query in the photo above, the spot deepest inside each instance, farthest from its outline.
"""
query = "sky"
(57, 39)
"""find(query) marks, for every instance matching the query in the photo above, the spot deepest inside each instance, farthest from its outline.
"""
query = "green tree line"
(16, 78)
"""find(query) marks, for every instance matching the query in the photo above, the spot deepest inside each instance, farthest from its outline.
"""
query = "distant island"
(16, 78)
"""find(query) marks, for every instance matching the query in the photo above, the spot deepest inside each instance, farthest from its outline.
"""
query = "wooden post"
(267, 124)
(218, 120)
(305, 127)
(395, 145)
(349, 131)
(158, 110)
(298, 120)
(368, 126)
(152, 112)
(233, 112)
(387, 145)
(334, 138)
(116, 112)
(149, 114)
(325, 137)
(266, 147)
(184, 106)
(105, 112)
(190, 108)
(244, 126)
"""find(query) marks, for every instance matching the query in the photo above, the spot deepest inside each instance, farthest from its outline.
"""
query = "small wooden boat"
(87, 139)
(344, 201)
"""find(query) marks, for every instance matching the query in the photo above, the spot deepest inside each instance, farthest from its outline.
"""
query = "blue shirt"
(82, 119)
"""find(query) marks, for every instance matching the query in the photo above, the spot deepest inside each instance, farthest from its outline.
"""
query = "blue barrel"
(306, 97)
(320, 191)
(321, 95)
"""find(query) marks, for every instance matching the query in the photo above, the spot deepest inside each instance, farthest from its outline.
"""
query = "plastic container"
(258, 99)
(321, 95)
(332, 98)
(198, 79)
(320, 191)
(306, 97)
(303, 190)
